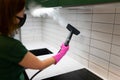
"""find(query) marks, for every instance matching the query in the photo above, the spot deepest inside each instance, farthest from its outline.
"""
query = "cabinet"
(65, 3)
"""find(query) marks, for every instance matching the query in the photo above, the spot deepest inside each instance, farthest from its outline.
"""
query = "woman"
(14, 57)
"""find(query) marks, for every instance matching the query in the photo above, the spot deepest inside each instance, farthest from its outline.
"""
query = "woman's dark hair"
(8, 11)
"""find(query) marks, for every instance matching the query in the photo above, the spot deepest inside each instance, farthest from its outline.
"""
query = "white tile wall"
(114, 69)
(116, 40)
(99, 61)
(85, 32)
(115, 60)
(99, 9)
(84, 25)
(84, 17)
(113, 77)
(82, 60)
(82, 40)
(118, 10)
(101, 36)
(82, 54)
(105, 18)
(31, 31)
(98, 45)
(82, 47)
(99, 53)
(106, 28)
(117, 29)
(98, 70)
(117, 19)
(86, 9)
(115, 50)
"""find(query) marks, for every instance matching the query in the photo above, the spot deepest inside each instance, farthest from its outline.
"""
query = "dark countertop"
(82, 74)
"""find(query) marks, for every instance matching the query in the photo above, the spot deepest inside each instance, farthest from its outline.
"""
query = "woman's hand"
(61, 53)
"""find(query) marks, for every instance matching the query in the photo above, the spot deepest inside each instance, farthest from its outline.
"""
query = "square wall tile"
(114, 69)
(99, 53)
(101, 36)
(118, 10)
(117, 19)
(115, 50)
(107, 28)
(100, 45)
(115, 60)
(116, 29)
(105, 18)
(116, 40)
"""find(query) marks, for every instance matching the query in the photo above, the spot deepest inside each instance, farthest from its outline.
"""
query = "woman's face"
(20, 14)
(21, 18)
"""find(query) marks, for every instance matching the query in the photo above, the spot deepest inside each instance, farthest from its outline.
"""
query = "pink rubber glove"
(61, 53)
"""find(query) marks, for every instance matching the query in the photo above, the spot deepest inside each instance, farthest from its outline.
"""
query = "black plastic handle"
(68, 39)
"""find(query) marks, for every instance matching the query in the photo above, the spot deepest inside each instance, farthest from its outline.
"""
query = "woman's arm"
(32, 62)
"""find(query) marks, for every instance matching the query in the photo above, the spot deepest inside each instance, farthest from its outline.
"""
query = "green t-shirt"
(12, 52)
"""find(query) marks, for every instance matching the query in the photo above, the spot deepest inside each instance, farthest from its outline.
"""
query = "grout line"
(116, 34)
(90, 39)
(101, 41)
(106, 13)
(111, 45)
(101, 32)
(101, 22)
(96, 13)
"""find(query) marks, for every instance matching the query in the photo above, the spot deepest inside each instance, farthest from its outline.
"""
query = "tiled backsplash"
(32, 29)
(98, 45)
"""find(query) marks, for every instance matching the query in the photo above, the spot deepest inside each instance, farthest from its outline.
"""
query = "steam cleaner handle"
(61, 53)
(68, 38)
(67, 42)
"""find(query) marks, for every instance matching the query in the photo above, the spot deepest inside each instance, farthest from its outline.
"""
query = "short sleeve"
(17, 53)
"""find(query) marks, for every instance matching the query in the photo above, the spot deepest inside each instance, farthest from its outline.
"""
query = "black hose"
(35, 74)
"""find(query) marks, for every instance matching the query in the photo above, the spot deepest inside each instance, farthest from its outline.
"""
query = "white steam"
(38, 11)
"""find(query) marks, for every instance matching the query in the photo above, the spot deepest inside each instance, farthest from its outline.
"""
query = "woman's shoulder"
(8, 40)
